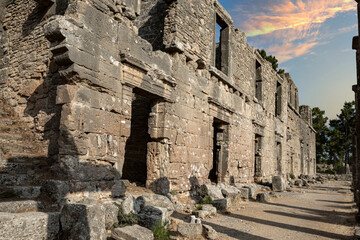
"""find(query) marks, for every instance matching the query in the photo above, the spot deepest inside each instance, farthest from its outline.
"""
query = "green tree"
(341, 132)
(319, 124)
(272, 59)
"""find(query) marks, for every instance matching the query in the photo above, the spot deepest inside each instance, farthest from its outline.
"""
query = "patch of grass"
(161, 232)
(125, 219)
(292, 176)
(206, 200)
(173, 192)
(330, 171)
(199, 207)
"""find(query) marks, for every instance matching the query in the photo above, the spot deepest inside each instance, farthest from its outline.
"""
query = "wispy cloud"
(290, 50)
(289, 27)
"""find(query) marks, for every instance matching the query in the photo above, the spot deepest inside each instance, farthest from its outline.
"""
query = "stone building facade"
(356, 137)
(100, 90)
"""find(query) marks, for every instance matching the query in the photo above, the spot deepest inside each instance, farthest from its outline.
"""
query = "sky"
(312, 39)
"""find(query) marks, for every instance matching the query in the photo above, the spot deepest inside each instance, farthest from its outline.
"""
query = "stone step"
(19, 192)
(29, 225)
(17, 179)
(21, 206)
(23, 168)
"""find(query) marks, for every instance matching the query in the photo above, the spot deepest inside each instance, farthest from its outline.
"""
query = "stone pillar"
(357, 102)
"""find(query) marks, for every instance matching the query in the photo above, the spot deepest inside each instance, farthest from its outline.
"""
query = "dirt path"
(323, 211)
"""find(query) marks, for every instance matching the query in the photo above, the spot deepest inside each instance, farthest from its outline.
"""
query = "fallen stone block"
(299, 182)
(194, 219)
(222, 204)
(212, 191)
(130, 205)
(209, 208)
(263, 197)
(118, 189)
(87, 221)
(253, 188)
(202, 214)
(190, 230)
(156, 201)
(149, 216)
(278, 184)
(209, 232)
(29, 226)
(230, 192)
(244, 193)
(134, 232)
(111, 214)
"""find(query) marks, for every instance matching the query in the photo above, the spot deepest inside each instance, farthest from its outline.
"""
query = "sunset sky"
(312, 40)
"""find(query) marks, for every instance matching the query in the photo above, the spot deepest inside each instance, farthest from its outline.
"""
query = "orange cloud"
(289, 27)
(290, 50)
(300, 13)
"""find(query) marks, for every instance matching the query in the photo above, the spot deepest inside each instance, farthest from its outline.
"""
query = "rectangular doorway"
(135, 167)
(220, 151)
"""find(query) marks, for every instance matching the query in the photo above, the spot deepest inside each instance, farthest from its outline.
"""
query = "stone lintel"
(220, 105)
(222, 77)
(127, 58)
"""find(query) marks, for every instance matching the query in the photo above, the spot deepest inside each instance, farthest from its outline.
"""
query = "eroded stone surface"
(31, 225)
(134, 232)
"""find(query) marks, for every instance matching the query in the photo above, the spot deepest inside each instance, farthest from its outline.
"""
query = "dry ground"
(322, 211)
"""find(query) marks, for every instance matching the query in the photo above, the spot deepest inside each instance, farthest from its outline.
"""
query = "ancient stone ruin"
(356, 150)
(97, 91)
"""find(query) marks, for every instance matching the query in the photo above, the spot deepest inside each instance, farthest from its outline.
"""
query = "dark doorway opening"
(257, 167)
(220, 151)
(135, 164)
(278, 157)
(302, 158)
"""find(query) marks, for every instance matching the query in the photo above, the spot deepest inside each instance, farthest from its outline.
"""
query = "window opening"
(258, 81)
(278, 98)
(222, 37)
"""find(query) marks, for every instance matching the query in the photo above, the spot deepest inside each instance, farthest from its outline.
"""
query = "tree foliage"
(319, 124)
(340, 134)
(334, 142)
(272, 59)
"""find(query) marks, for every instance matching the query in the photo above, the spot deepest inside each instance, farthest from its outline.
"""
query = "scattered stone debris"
(278, 184)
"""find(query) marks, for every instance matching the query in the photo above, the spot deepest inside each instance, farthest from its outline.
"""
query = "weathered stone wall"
(28, 81)
(89, 61)
(197, 41)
